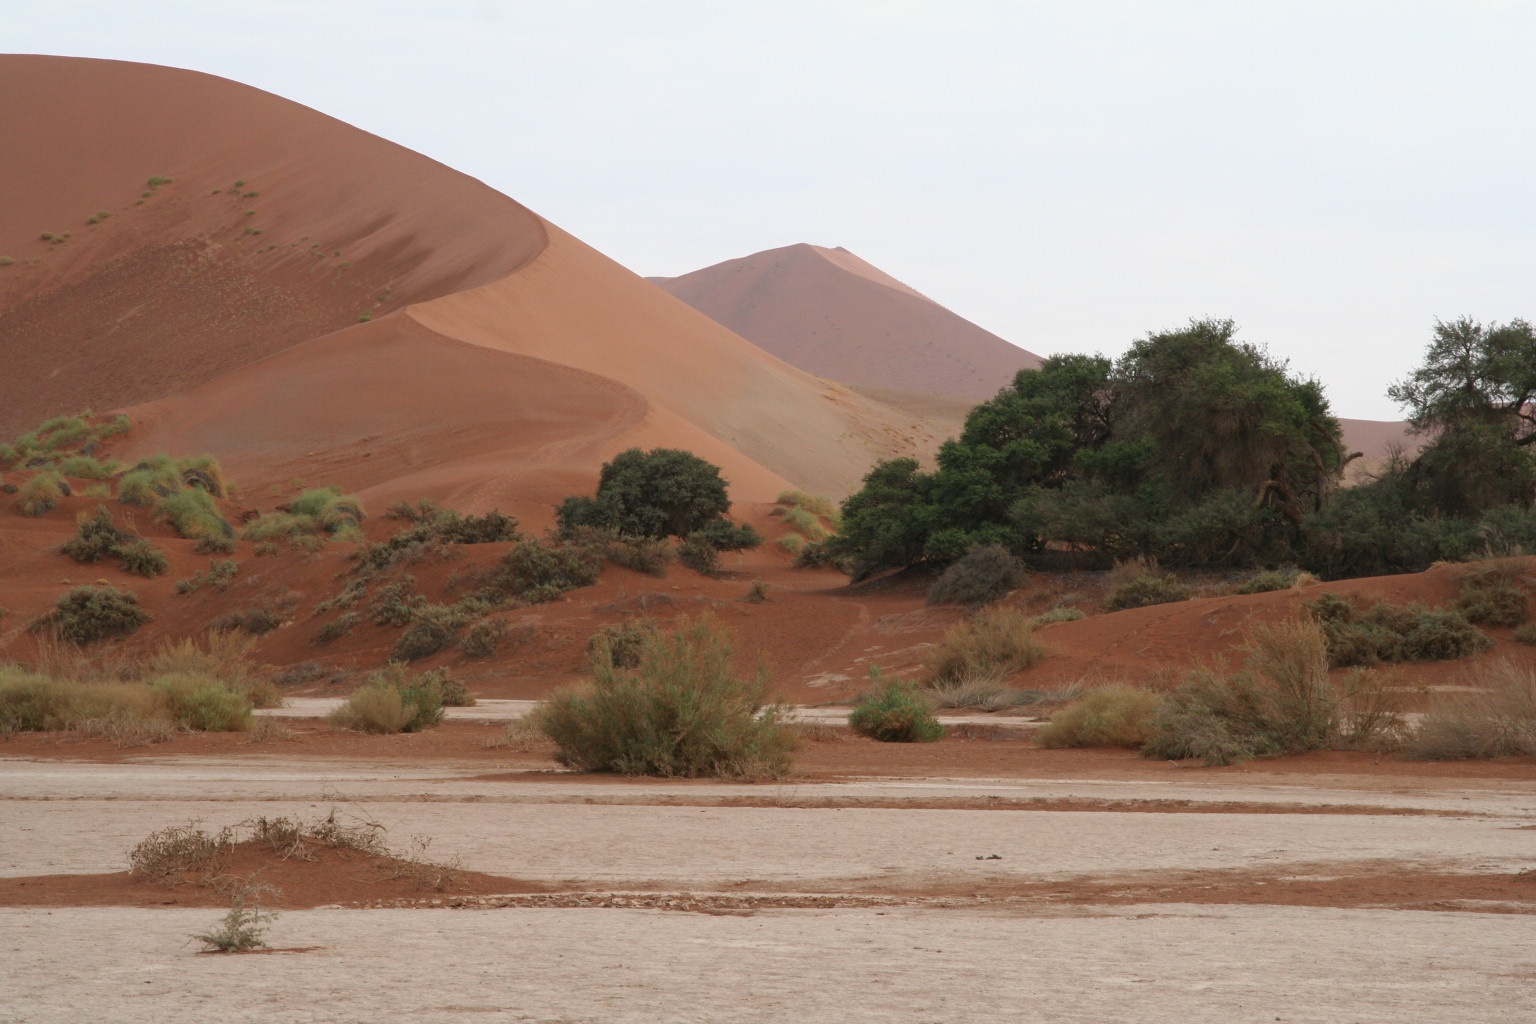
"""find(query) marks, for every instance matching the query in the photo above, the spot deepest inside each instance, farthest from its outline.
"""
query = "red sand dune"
(833, 314)
(230, 317)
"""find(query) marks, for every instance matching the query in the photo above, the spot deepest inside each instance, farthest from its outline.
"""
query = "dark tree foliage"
(665, 492)
(1473, 396)
(1194, 447)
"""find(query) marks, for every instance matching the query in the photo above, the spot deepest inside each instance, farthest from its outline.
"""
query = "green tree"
(1473, 397)
(665, 492)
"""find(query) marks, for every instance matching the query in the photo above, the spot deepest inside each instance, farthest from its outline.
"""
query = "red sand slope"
(229, 317)
(829, 312)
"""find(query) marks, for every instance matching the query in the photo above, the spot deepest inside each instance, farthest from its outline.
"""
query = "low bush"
(221, 572)
(1057, 615)
(986, 692)
(1493, 595)
(682, 711)
(984, 574)
(1114, 716)
(699, 555)
(820, 555)
(337, 628)
(1385, 633)
(803, 522)
(203, 703)
(1498, 719)
(649, 555)
(396, 602)
(997, 642)
(87, 614)
(1284, 704)
(724, 535)
(895, 712)
(141, 558)
(433, 628)
(242, 929)
(1273, 579)
(622, 644)
(95, 537)
(816, 505)
(534, 573)
(1144, 589)
(393, 700)
(84, 467)
(483, 638)
(1526, 634)
(257, 621)
(193, 514)
(41, 494)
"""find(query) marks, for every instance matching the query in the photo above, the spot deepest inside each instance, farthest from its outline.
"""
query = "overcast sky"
(1070, 175)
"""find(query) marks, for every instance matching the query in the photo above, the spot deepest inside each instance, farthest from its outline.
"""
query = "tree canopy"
(1193, 447)
(665, 492)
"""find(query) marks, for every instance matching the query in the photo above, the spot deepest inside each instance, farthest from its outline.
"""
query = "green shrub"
(681, 712)
(1385, 633)
(1285, 704)
(820, 555)
(483, 638)
(997, 642)
(202, 703)
(534, 573)
(699, 555)
(649, 555)
(895, 712)
(665, 492)
(337, 628)
(1057, 615)
(984, 574)
(41, 494)
(1114, 716)
(393, 700)
(221, 572)
(193, 514)
(149, 481)
(1526, 634)
(83, 467)
(1498, 719)
(396, 602)
(433, 628)
(142, 558)
(1273, 579)
(95, 537)
(1492, 596)
(87, 614)
(1149, 589)
(803, 523)
(621, 645)
(724, 535)
(814, 504)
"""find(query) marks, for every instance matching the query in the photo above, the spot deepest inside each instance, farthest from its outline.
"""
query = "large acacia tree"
(1193, 447)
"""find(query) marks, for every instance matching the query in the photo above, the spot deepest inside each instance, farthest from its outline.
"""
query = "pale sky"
(1070, 175)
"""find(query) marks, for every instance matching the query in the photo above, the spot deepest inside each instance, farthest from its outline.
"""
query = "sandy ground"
(911, 925)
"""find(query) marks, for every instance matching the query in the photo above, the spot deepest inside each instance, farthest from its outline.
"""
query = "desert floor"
(966, 880)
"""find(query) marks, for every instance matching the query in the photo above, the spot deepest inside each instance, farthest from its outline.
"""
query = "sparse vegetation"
(484, 638)
(41, 494)
(535, 573)
(895, 712)
(1139, 582)
(1284, 704)
(1497, 719)
(699, 555)
(242, 929)
(221, 572)
(337, 628)
(1274, 579)
(1493, 595)
(996, 643)
(682, 711)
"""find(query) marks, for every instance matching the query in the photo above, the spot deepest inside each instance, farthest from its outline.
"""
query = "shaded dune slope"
(182, 284)
(498, 359)
(831, 313)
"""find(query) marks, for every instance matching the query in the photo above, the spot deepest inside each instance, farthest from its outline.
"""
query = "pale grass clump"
(997, 642)
(1118, 715)
(1498, 719)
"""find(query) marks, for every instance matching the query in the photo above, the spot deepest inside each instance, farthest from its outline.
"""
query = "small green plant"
(621, 645)
(202, 703)
(159, 180)
(1113, 716)
(1526, 634)
(95, 537)
(757, 593)
(242, 929)
(984, 574)
(433, 628)
(396, 602)
(1493, 595)
(1274, 579)
(221, 572)
(98, 216)
(895, 712)
(1140, 583)
(141, 558)
(650, 555)
(193, 514)
(483, 638)
(682, 711)
(534, 573)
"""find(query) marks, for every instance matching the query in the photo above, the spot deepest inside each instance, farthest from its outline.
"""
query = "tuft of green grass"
(394, 700)
(1112, 716)
(41, 494)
